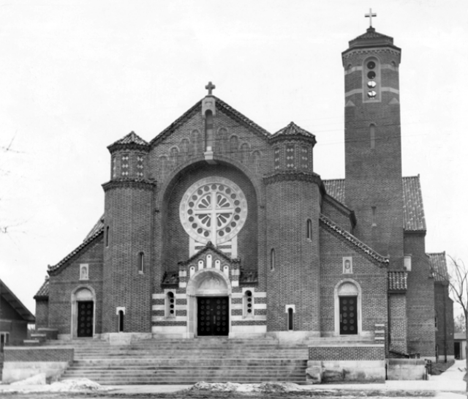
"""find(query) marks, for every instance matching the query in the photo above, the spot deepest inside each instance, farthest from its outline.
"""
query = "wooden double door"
(85, 319)
(213, 315)
(348, 315)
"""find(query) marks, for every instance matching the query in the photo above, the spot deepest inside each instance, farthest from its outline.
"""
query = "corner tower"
(127, 239)
(373, 142)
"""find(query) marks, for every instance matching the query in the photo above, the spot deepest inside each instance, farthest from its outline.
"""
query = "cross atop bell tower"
(370, 15)
(210, 87)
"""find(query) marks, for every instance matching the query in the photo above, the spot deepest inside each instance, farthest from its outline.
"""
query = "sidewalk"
(450, 384)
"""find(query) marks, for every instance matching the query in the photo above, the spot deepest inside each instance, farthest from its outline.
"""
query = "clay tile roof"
(131, 138)
(370, 38)
(397, 280)
(97, 227)
(336, 188)
(76, 251)
(438, 265)
(15, 303)
(367, 251)
(293, 130)
(44, 290)
(413, 210)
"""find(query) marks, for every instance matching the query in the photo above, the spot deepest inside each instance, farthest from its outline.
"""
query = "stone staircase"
(167, 361)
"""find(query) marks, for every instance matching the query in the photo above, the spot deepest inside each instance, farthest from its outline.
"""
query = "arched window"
(277, 158)
(121, 320)
(248, 304)
(309, 229)
(272, 259)
(290, 319)
(170, 304)
(141, 263)
(107, 236)
(372, 136)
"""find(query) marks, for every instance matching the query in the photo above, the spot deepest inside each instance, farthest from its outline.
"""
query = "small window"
(107, 236)
(141, 263)
(277, 158)
(170, 304)
(290, 157)
(121, 320)
(372, 136)
(248, 304)
(374, 212)
(309, 229)
(272, 259)
(290, 319)
(125, 165)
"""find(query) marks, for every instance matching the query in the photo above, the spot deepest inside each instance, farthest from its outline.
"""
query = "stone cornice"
(293, 138)
(292, 176)
(371, 50)
(129, 183)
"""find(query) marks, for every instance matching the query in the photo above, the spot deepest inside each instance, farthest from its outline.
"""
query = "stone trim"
(292, 176)
(128, 146)
(129, 183)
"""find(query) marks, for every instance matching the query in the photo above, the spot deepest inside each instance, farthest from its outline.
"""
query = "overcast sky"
(77, 76)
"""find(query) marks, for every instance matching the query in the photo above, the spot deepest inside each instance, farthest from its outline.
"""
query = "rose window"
(213, 209)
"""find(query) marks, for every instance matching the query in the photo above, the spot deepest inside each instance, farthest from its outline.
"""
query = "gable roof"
(97, 227)
(43, 292)
(130, 141)
(413, 209)
(351, 240)
(78, 250)
(209, 246)
(15, 303)
(438, 265)
(220, 106)
(397, 280)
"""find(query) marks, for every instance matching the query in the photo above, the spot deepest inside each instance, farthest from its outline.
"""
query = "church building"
(217, 227)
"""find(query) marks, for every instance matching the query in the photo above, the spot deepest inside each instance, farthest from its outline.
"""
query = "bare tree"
(457, 280)
(460, 326)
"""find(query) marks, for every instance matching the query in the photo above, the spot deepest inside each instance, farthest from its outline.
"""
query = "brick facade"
(305, 243)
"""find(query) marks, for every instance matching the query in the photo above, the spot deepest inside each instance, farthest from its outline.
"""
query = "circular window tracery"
(213, 209)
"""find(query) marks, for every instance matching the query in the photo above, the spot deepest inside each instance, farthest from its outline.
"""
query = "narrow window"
(290, 319)
(121, 320)
(309, 229)
(107, 236)
(290, 158)
(113, 167)
(125, 166)
(372, 136)
(170, 304)
(304, 157)
(141, 263)
(248, 304)
(209, 130)
(374, 211)
(140, 166)
(277, 158)
(272, 259)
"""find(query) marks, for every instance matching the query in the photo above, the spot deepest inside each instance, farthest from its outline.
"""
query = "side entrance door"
(85, 318)
(348, 315)
(213, 316)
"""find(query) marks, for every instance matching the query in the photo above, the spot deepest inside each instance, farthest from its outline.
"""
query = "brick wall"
(42, 313)
(445, 323)
(370, 277)
(375, 352)
(398, 322)
(65, 282)
(39, 354)
(420, 299)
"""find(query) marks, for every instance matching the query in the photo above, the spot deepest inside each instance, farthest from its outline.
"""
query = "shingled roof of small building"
(43, 292)
(15, 303)
(438, 265)
(413, 209)
(371, 38)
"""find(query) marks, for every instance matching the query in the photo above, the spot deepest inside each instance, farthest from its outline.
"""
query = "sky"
(78, 75)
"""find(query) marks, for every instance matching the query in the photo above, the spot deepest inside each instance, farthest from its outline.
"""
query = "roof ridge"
(364, 248)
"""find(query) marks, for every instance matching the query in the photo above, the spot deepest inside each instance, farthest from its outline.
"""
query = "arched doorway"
(348, 320)
(208, 296)
(83, 313)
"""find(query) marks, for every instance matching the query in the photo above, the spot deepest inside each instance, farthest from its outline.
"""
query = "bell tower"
(373, 141)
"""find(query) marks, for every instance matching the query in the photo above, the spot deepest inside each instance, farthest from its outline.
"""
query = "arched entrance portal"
(83, 313)
(208, 296)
